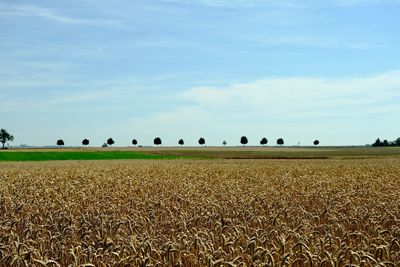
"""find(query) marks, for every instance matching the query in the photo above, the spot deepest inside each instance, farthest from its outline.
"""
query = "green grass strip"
(70, 155)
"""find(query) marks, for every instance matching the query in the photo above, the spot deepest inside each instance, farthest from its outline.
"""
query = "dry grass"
(201, 213)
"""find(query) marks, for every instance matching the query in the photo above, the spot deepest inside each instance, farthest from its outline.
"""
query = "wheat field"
(201, 213)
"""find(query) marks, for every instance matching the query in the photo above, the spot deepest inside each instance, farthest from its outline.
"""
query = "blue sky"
(217, 69)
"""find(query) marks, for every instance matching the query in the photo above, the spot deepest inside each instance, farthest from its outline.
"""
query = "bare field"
(201, 213)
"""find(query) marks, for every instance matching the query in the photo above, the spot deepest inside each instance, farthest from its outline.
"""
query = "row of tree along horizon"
(157, 141)
(7, 137)
(379, 143)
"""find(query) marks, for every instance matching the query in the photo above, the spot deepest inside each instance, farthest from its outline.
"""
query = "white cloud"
(362, 2)
(293, 107)
(329, 41)
(281, 3)
(237, 3)
(299, 93)
(50, 14)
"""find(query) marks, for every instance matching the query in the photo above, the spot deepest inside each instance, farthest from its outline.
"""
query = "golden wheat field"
(201, 213)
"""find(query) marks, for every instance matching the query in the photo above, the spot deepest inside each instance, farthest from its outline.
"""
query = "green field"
(200, 153)
(79, 155)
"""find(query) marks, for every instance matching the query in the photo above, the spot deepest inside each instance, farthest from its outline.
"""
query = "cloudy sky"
(218, 69)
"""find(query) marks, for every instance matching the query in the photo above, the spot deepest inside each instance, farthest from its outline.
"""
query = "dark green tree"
(85, 142)
(224, 143)
(60, 142)
(243, 140)
(263, 141)
(316, 142)
(397, 142)
(280, 141)
(377, 143)
(4, 137)
(202, 141)
(181, 142)
(110, 141)
(157, 141)
(385, 143)
(134, 142)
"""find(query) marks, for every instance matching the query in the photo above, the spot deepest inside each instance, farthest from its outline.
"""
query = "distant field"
(198, 152)
(279, 152)
(79, 155)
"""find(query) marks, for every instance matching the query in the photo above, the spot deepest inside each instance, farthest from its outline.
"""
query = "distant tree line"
(202, 142)
(5, 137)
(379, 143)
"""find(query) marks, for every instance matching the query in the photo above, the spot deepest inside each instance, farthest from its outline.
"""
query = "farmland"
(197, 153)
(79, 154)
(303, 212)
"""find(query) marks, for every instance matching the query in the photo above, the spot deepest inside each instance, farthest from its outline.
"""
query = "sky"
(218, 69)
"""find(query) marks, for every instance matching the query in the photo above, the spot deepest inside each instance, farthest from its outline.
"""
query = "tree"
(385, 143)
(280, 141)
(316, 142)
(397, 142)
(243, 140)
(5, 136)
(263, 141)
(224, 143)
(110, 141)
(202, 141)
(181, 142)
(157, 141)
(85, 142)
(60, 142)
(378, 142)
(104, 145)
(134, 142)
